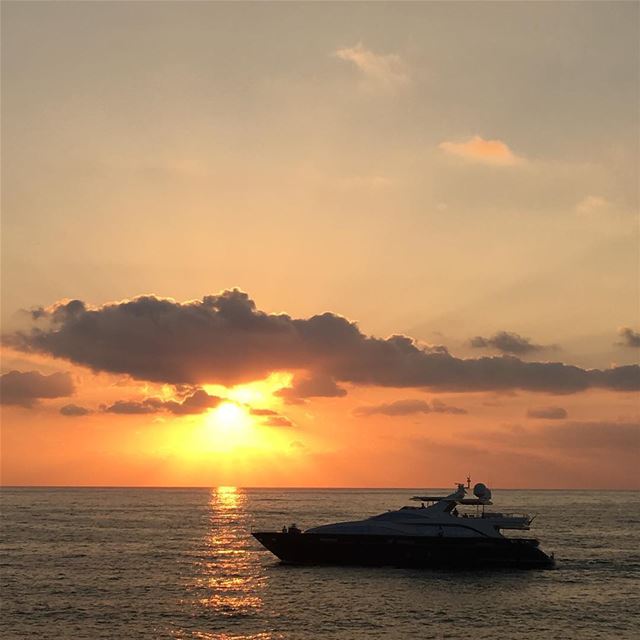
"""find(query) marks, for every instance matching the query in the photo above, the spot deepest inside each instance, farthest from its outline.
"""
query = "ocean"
(181, 563)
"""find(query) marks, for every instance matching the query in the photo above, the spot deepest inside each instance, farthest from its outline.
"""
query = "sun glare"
(230, 429)
(229, 415)
(257, 394)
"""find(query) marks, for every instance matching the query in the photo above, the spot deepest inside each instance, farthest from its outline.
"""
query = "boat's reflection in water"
(229, 577)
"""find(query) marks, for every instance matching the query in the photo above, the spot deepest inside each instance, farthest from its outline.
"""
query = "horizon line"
(295, 488)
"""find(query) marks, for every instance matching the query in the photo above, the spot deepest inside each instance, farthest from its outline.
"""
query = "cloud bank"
(26, 388)
(224, 339)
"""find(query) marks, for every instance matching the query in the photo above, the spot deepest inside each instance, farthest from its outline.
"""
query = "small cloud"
(263, 412)
(592, 205)
(277, 421)
(26, 388)
(74, 411)
(198, 402)
(125, 407)
(547, 413)
(508, 342)
(630, 338)
(477, 149)
(407, 407)
(380, 71)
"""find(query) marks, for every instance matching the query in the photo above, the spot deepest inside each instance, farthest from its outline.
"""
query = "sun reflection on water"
(228, 576)
(203, 635)
(225, 497)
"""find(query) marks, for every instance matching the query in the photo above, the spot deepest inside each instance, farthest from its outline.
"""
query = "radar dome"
(481, 491)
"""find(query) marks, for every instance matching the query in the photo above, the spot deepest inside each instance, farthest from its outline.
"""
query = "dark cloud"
(630, 338)
(74, 411)
(26, 388)
(407, 407)
(225, 339)
(277, 421)
(198, 402)
(548, 413)
(508, 342)
(318, 386)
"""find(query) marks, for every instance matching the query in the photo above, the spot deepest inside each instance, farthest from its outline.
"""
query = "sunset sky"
(320, 244)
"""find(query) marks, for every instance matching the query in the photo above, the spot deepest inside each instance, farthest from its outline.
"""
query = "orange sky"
(320, 245)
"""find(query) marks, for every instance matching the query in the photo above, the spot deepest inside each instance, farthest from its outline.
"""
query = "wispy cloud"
(574, 437)
(271, 418)
(278, 421)
(592, 205)
(547, 413)
(407, 407)
(477, 149)
(380, 71)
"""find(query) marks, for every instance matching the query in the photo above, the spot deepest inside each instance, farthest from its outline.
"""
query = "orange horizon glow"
(226, 445)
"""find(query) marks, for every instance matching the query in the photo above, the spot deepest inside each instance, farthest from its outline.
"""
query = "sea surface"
(181, 563)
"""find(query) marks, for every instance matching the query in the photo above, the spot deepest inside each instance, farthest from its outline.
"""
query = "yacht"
(444, 531)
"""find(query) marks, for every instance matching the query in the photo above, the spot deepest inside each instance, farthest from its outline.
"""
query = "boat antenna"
(469, 481)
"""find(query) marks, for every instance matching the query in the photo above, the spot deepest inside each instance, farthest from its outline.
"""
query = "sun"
(228, 427)
(229, 415)
(235, 429)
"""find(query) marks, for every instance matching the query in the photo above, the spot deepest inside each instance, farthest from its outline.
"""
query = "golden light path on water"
(229, 579)
(226, 578)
